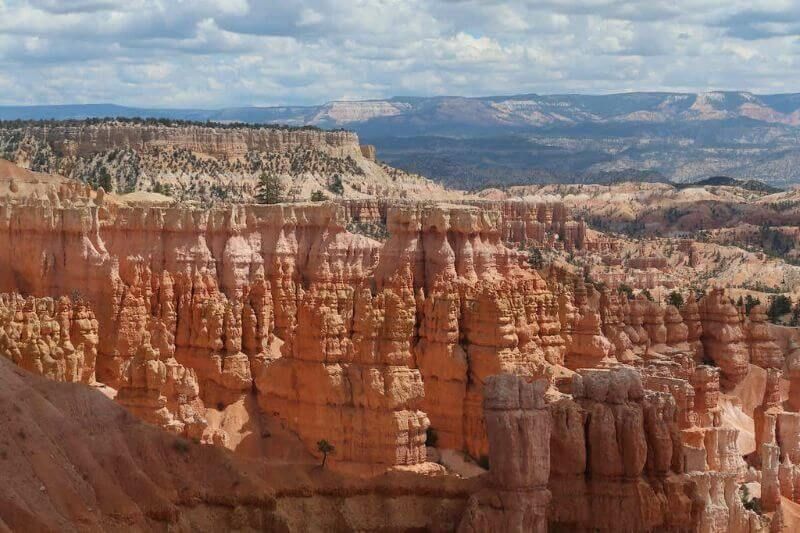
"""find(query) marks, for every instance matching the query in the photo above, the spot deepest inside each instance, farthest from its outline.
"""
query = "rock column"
(518, 427)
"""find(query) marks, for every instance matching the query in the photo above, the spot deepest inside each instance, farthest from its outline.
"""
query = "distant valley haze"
(505, 140)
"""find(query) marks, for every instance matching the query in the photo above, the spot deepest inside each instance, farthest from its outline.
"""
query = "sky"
(222, 53)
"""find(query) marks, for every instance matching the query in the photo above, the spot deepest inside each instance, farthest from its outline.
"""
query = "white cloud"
(309, 17)
(237, 52)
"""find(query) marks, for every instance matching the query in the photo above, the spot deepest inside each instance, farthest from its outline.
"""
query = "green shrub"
(535, 258)
(181, 445)
(675, 299)
(336, 186)
(626, 290)
(325, 448)
(778, 306)
(269, 189)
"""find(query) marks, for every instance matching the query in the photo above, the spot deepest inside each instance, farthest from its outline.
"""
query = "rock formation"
(162, 392)
(764, 352)
(53, 338)
(438, 329)
(201, 162)
(691, 317)
(518, 426)
(723, 337)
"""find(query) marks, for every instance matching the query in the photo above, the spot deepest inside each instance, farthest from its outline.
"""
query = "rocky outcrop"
(606, 445)
(72, 459)
(705, 381)
(724, 340)
(613, 314)
(542, 223)
(368, 151)
(521, 223)
(586, 346)
(162, 392)
(87, 139)
(285, 298)
(518, 426)
(442, 329)
(793, 375)
(53, 338)
(694, 325)
(764, 351)
(209, 163)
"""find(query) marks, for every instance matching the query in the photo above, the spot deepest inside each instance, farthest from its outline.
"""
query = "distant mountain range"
(420, 115)
(500, 140)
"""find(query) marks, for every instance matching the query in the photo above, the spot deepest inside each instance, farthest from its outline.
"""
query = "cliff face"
(210, 163)
(87, 140)
(227, 292)
(372, 345)
(73, 460)
(520, 223)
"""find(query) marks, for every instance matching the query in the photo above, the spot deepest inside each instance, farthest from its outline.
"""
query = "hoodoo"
(452, 347)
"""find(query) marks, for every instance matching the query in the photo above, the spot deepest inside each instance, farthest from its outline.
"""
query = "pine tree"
(325, 448)
(269, 189)
(336, 186)
(675, 299)
(627, 290)
(535, 258)
(104, 180)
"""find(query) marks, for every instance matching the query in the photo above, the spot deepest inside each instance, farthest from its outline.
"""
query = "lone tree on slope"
(676, 299)
(336, 186)
(269, 190)
(325, 448)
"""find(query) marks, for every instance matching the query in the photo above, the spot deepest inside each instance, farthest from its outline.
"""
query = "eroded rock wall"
(89, 139)
(283, 298)
(370, 344)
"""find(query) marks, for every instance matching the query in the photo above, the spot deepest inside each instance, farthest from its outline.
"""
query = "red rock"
(518, 426)
(724, 338)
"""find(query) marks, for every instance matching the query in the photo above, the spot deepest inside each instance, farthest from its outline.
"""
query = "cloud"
(214, 53)
(757, 24)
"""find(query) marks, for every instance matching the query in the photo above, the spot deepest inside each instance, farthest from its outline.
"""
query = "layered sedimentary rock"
(587, 347)
(527, 223)
(691, 317)
(372, 345)
(87, 139)
(764, 351)
(285, 298)
(209, 163)
(604, 444)
(723, 337)
(520, 223)
(617, 460)
(793, 375)
(162, 391)
(53, 338)
(613, 314)
(475, 304)
(705, 381)
(518, 425)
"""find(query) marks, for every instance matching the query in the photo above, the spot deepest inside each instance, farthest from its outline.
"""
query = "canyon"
(393, 356)
(462, 386)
